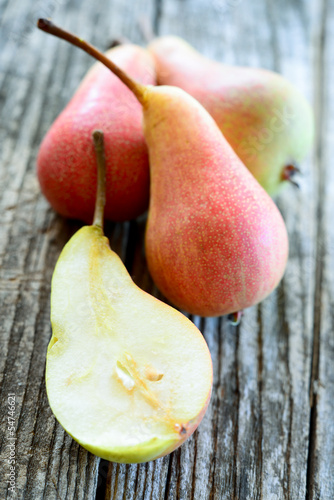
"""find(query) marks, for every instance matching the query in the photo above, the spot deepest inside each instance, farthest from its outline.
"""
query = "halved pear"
(127, 376)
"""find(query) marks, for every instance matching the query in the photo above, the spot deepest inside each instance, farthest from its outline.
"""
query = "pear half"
(127, 376)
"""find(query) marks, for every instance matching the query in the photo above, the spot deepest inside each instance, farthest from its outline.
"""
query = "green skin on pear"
(265, 118)
(127, 376)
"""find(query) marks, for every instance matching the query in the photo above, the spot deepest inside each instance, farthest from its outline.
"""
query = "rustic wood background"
(269, 430)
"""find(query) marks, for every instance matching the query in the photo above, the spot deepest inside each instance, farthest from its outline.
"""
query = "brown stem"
(288, 173)
(52, 29)
(98, 140)
(235, 318)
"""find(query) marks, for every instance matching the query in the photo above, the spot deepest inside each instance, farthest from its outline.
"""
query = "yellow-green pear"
(265, 118)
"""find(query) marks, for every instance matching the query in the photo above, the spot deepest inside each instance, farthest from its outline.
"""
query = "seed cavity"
(124, 376)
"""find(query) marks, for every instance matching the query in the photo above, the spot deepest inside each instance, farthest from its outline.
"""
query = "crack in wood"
(260, 388)
(311, 491)
(157, 16)
(286, 356)
(236, 426)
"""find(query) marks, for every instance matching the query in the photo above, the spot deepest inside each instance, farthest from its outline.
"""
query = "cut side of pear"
(127, 376)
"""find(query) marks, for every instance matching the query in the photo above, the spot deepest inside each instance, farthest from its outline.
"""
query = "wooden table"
(269, 430)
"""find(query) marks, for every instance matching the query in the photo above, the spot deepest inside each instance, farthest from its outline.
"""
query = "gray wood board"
(268, 432)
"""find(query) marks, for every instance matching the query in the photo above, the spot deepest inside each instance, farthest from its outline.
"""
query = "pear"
(215, 241)
(65, 163)
(266, 120)
(127, 376)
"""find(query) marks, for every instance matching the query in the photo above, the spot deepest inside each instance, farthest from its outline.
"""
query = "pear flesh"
(127, 376)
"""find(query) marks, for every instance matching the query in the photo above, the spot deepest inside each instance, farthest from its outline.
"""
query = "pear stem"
(288, 173)
(47, 26)
(98, 140)
(235, 318)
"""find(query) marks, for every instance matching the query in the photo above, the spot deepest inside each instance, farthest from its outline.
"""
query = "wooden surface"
(269, 430)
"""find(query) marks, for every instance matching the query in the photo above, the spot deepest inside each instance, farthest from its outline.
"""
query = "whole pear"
(215, 241)
(65, 164)
(266, 120)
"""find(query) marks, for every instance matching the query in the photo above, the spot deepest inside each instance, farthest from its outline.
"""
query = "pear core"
(127, 376)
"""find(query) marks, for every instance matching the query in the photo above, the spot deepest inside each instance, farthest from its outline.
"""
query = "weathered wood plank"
(48, 463)
(266, 405)
(254, 440)
(321, 461)
(287, 452)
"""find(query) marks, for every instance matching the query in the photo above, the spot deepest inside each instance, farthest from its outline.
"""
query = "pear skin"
(215, 241)
(266, 120)
(66, 165)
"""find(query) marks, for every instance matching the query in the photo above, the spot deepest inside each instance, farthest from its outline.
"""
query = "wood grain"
(269, 431)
